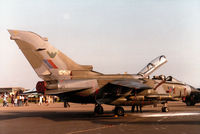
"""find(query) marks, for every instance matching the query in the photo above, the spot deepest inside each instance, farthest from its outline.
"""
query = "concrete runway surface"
(79, 119)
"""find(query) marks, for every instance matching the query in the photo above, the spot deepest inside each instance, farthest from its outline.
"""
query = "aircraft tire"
(190, 103)
(98, 109)
(165, 109)
(119, 111)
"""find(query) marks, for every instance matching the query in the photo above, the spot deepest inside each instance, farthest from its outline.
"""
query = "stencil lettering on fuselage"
(64, 72)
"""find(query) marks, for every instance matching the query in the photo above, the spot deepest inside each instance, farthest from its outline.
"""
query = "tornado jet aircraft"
(73, 82)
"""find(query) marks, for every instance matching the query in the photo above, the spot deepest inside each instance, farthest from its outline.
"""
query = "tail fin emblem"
(51, 54)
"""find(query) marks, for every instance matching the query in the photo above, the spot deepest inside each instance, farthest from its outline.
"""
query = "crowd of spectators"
(17, 100)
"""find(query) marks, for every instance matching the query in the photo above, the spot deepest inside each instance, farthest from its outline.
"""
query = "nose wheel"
(98, 109)
(165, 108)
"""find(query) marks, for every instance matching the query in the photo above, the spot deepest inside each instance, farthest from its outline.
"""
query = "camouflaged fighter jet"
(80, 84)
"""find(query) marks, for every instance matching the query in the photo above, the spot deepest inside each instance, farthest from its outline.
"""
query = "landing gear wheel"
(98, 109)
(165, 109)
(66, 104)
(119, 111)
(190, 103)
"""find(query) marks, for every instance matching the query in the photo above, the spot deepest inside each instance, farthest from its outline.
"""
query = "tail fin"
(48, 62)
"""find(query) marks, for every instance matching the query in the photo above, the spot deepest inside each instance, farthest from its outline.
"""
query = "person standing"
(22, 100)
(16, 102)
(26, 100)
(5, 102)
(48, 100)
(12, 100)
(40, 101)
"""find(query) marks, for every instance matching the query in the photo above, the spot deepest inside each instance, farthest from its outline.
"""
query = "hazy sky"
(115, 36)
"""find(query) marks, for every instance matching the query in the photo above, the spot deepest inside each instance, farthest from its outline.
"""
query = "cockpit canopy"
(152, 66)
(164, 78)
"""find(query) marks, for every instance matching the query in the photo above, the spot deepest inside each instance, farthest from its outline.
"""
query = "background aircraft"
(80, 84)
(193, 98)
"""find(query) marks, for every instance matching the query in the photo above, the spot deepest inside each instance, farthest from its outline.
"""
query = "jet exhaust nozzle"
(41, 87)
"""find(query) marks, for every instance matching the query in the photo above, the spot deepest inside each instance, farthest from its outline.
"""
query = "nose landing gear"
(98, 109)
(66, 104)
(165, 107)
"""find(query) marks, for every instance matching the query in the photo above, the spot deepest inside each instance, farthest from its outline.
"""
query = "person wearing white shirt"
(40, 102)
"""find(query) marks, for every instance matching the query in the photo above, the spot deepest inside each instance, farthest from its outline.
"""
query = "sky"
(115, 36)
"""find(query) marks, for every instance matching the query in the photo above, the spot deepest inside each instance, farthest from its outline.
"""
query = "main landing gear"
(165, 107)
(98, 109)
(66, 104)
(119, 111)
(138, 108)
(190, 103)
